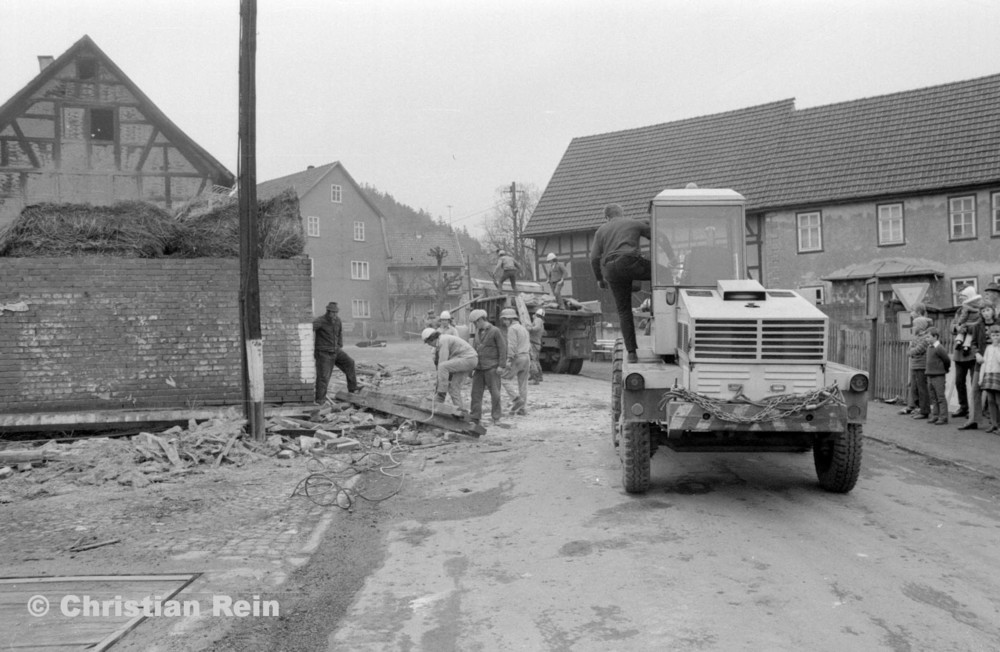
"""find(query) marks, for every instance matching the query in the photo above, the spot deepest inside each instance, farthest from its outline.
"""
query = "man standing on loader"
(617, 261)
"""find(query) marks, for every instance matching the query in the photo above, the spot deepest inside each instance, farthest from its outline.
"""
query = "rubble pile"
(352, 425)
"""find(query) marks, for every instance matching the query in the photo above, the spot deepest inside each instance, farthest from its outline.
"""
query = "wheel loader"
(725, 364)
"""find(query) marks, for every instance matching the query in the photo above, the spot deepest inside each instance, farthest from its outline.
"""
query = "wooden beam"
(437, 418)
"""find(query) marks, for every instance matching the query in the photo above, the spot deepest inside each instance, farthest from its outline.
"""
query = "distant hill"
(398, 213)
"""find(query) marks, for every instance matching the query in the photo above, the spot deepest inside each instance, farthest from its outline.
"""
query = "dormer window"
(86, 68)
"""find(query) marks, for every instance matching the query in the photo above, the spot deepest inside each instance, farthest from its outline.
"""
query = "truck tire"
(563, 365)
(617, 355)
(838, 459)
(576, 366)
(634, 452)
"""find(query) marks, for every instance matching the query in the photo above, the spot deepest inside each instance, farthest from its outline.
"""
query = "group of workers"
(506, 357)
(498, 359)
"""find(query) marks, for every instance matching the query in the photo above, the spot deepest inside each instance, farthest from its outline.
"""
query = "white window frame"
(814, 294)
(336, 193)
(312, 226)
(361, 309)
(360, 270)
(806, 233)
(958, 284)
(995, 214)
(891, 226)
(964, 209)
(359, 231)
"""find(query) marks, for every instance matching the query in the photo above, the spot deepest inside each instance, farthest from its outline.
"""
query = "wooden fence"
(852, 346)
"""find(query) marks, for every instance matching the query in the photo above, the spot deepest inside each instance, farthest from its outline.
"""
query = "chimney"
(44, 61)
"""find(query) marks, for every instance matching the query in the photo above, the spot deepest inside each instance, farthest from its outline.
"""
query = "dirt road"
(524, 540)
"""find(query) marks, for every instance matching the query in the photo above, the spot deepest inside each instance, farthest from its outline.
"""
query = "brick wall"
(110, 333)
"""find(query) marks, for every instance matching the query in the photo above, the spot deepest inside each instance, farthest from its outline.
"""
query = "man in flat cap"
(328, 335)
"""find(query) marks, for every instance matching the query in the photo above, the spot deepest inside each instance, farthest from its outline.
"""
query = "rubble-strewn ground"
(203, 498)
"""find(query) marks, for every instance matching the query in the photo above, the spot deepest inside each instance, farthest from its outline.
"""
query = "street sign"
(910, 294)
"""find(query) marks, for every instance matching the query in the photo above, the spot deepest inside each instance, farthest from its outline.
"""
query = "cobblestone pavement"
(240, 528)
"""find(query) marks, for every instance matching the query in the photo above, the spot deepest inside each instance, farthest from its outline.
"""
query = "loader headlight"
(859, 383)
(635, 382)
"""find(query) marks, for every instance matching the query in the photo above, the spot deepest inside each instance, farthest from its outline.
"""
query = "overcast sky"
(440, 102)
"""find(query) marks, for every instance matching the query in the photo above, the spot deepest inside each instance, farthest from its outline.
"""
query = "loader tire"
(838, 459)
(634, 452)
(576, 366)
(617, 355)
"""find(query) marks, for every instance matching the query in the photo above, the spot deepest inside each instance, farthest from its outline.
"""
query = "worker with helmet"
(535, 331)
(556, 273)
(515, 378)
(491, 348)
(507, 268)
(445, 324)
(455, 361)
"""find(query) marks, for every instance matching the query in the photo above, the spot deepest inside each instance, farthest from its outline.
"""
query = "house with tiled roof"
(346, 243)
(834, 193)
(413, 271)
(81, 131)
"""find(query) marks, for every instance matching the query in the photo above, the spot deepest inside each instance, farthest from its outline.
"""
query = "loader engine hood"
(741, 320)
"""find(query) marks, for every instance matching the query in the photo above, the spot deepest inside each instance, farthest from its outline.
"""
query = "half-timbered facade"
(81, 131)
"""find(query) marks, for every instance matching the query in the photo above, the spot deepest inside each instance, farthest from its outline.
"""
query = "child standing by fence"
(989, 377)
(938, 364)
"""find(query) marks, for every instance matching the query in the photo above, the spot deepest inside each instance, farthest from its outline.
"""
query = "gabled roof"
(410, 246)
(205, 162)
(303, 182)
(631, 167)
(926, 140)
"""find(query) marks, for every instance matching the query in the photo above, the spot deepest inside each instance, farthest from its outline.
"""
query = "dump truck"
(725, 364)
(569, 335)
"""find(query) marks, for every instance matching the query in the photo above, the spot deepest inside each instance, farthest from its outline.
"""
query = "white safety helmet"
(427, 333)
(476, 315)
(445, 315)
(508, 313)
(540, 312)
(551, 256)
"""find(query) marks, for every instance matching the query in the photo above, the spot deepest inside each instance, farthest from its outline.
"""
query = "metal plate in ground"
(64, 624)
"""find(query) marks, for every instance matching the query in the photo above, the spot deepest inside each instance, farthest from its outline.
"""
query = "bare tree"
(504, 229)
(443, 284)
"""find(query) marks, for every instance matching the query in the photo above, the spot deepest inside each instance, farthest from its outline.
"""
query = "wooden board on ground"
(438, 417)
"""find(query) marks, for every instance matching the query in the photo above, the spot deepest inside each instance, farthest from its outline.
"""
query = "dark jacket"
(980, 339)
(615, 238)
(918, 351)
(491, 347)
(938, 362)
(328, 334)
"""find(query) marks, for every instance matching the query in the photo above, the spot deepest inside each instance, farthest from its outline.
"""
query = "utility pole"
(252, 348)
(518, 248)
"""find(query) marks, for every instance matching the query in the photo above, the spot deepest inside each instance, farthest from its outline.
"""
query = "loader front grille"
(782, 340)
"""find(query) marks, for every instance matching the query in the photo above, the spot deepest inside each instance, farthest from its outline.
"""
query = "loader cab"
(698, 239)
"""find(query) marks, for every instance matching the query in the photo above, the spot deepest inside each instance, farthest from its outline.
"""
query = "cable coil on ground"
(325, 485)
